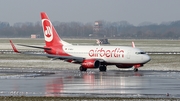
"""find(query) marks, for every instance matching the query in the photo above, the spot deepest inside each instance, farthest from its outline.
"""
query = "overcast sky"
(133, 11)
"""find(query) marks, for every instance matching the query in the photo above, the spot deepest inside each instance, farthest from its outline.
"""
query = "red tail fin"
(51, 36)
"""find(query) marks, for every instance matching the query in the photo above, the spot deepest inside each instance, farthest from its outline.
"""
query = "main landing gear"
(101, 68)
(81, 68)
(135, 69)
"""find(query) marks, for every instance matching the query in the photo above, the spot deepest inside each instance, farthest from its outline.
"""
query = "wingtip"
(133, 44)
(13, 46)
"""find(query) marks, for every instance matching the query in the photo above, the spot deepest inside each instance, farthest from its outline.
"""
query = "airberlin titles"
(100, 52)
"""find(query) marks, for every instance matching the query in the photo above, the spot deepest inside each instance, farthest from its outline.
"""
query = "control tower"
(97, 26)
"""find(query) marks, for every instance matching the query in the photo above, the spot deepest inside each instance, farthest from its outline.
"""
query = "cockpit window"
(140, 52)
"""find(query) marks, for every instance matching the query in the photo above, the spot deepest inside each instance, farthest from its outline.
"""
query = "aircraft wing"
(33, 46)
(77, 59)
(73, 58)
(15, 50)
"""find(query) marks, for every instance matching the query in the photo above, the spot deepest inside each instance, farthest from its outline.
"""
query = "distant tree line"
(120, 30)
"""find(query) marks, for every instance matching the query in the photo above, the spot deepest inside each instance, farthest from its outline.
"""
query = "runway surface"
(113, 83)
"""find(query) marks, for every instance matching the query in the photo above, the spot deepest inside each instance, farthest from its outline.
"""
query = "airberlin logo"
(47, 26)
(117, 52)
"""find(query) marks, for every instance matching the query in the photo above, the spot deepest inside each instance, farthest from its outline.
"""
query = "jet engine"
(91, 63)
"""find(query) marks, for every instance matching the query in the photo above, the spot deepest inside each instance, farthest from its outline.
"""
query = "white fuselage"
(110, 54)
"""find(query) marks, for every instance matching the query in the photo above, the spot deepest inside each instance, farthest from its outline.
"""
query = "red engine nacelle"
(91, 63)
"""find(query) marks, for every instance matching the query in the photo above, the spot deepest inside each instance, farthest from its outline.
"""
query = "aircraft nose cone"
(147, 58)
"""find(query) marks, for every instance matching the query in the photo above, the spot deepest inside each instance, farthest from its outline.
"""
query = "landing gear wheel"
(81, 68)
(102, 68)
(135, 69)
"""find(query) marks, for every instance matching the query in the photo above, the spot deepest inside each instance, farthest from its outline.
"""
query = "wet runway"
(113, 83)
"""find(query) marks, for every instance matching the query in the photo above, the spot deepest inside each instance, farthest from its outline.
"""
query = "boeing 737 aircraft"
(89, 57)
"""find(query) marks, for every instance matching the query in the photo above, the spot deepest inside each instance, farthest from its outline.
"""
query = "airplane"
(89, 57)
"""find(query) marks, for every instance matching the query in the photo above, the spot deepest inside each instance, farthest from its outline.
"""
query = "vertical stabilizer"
(51, 36)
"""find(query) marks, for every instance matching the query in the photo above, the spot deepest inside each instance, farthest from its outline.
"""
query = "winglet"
(133, 44)
(13, 46)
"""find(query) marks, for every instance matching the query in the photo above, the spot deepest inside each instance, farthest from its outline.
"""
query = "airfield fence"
(42, 52)
(12, 52)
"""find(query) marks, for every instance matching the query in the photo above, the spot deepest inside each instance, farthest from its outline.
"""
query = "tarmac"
(73, 83)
